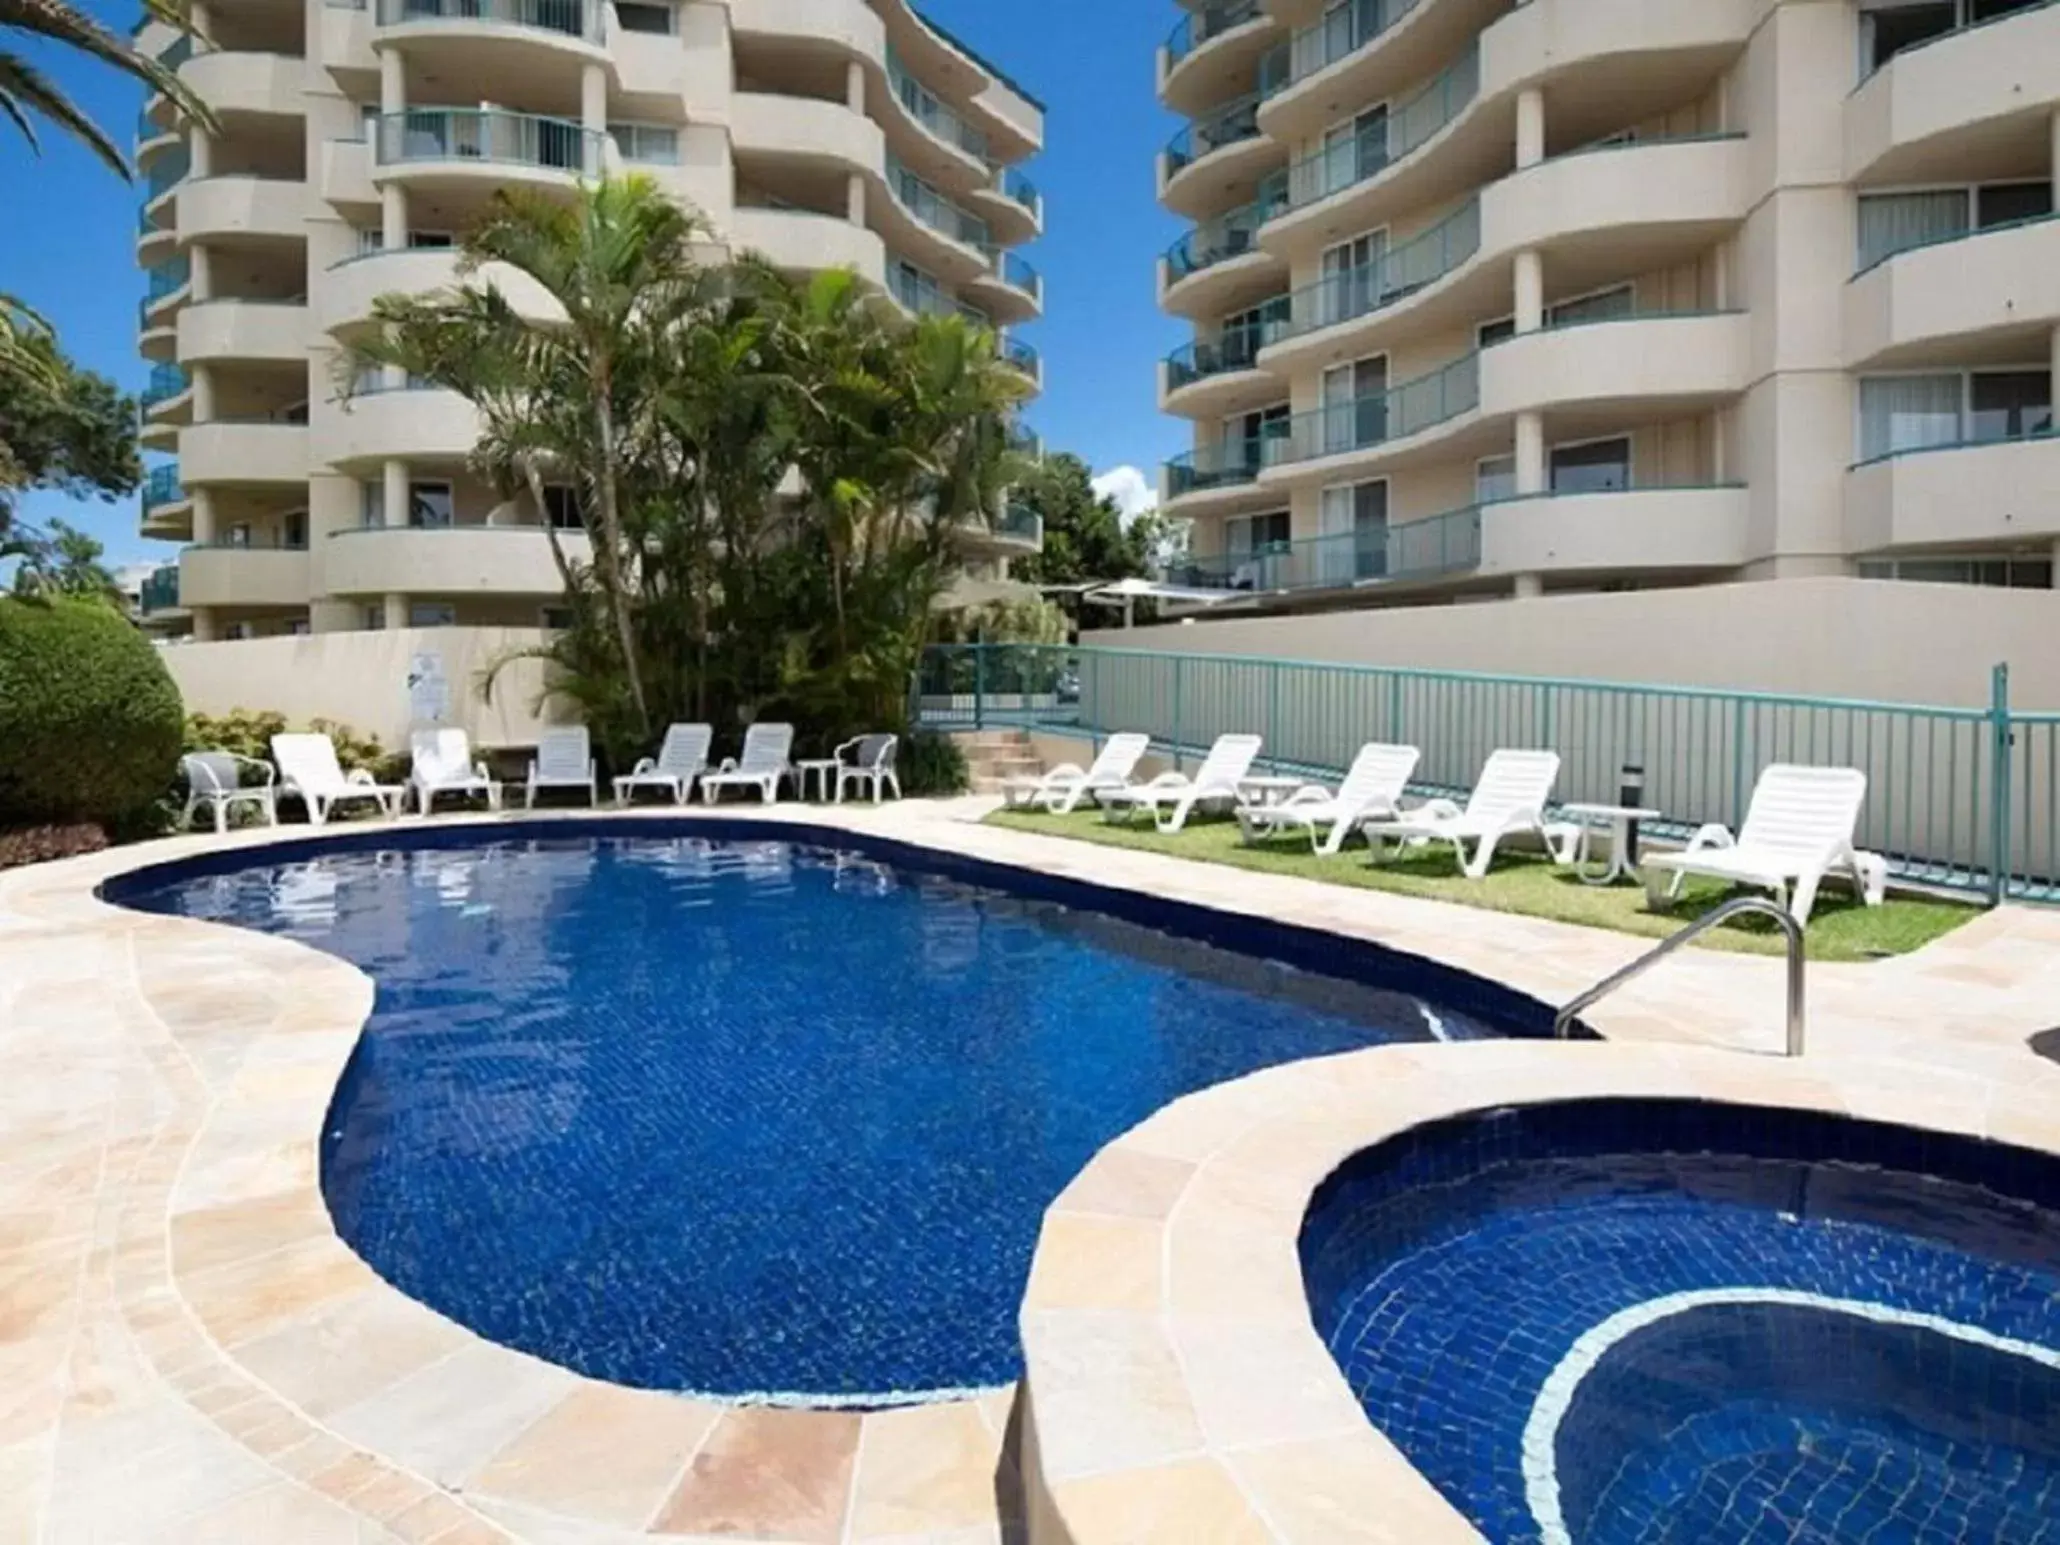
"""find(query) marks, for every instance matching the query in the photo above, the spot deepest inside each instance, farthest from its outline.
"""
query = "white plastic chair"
(1373, 787)
(1171, 797)
(682, 757)
(215, 779)
(1508, 798)
(767, 749)
(564, 760)
(441, 762)
(308, 767)
(1798, 828)
(1061, 790)
(871, 764)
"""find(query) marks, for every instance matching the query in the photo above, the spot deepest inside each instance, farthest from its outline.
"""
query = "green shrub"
(249, 731)
(932, 764)
(90, 724)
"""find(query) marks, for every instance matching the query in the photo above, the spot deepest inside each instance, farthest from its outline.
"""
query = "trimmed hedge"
(90, 721)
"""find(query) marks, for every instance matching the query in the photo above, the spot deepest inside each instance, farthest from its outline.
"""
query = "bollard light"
(1631, 795)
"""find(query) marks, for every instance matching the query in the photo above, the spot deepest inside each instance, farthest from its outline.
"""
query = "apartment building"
(357, 140)
(1499, 299)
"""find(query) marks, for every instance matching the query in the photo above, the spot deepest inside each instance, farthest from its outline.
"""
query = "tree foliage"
(66, 429)
(26, 90)
(1084, 536)
(769, 471)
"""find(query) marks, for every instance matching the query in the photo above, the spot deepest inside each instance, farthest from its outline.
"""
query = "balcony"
(801, 241)
(225, 574)
(1206, 377)
(1008, 287)
(1017, 531)
(423, 423)
(1024, 358)
(448, 560)
(244, 330)
(1396, 275)
(489, 38)
(344, 299)
(231, 208)
(242, 84)
(1372, 422)
(483, 146)
(1231, 463)
(1645, 528)
(930, 216)
(1594, 371)
(1986, 489)
(963, 143)
(168, 382)
(1364, 51)
(160, 592)
(162, 493)
(1989, 295)
(1226, 155)
(244, 452)
(1220, 259)
(1436, 547)
(1982, 92)
(1211, 47)
(825, 136)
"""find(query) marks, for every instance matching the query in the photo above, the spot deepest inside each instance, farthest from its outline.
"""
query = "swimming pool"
(1622, 1322)
(766, 1120)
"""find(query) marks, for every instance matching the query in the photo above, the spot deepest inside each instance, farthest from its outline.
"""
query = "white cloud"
(1134, 493)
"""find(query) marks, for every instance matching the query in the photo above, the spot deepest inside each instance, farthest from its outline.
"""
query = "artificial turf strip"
(1840, 927)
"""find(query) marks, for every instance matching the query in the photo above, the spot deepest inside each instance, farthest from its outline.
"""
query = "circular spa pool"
(1624, 1322)
(766, 1119)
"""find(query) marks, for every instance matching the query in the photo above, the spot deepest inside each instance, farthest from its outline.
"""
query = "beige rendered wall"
(361, 679)
(1830, 637)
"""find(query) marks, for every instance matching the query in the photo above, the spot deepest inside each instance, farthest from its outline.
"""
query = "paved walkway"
(188, 1353)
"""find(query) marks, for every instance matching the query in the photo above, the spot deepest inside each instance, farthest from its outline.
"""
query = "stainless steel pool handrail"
(1791, 931)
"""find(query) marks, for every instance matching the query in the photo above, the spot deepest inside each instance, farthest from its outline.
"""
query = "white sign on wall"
(429, 690)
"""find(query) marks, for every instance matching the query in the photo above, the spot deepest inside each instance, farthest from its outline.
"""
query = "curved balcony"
(914, 218)
(158, 598)
(213, 330)
(1008, 287)
(1985, 296)
(932, 53)
(1024, 359)
(448, 560)
(850, 27)
(1654, 204)
(343, 301)
(164, 497)
(1017, 531)
(222, 575)
(1211, 50)
(1219, 477)
(484, 37)
(1219, 267)
(1011, 205)
(1638, 529)
(167, 389)
(1218, 157)
(229, 452)
(1365, 51)
(800, 241)
(1214, 376)
(343, 43)
(157, 131)
(1937, 111)
(1350, 438)
(1645, 365)
(940, 144)
(424, 423)
(237, 84)
(230, 209)
(483, 147)
(1431, 548)
(825, 135)
(1978, 491)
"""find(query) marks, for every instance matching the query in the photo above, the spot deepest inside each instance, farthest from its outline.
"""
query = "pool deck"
(189, 1353)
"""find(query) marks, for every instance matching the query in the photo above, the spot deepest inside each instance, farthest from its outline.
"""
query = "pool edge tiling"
(190, 1353)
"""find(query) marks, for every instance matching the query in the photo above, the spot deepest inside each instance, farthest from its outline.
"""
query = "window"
(1919, 412)
(653, 144)
(1355, 405)
(1495, 478)
(1896, 222)
(1352, 151)
(431, 240)
(557, 619)
(1887, 29)
(294, 529)
(2008, 571)
(1352, 277)
(1251, 433)
(297, 627)
(561, 509)
(1602, 306)
(1599, 466)
(432, 614)
(368, 121)
(239, 630)
(372, 616)
(1488, 334)
(641, 16)
(237, 535)
(429, 504)
(1245, 535)
(1242, 334)
(1353, 541)
(371, 504)
(2005, 203)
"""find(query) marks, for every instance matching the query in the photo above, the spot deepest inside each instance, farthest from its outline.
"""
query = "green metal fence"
(1966, 799)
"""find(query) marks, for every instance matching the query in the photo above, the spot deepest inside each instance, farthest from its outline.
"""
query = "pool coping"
(224, 1274)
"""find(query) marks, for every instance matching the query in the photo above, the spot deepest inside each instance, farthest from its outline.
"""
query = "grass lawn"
(1840, 928)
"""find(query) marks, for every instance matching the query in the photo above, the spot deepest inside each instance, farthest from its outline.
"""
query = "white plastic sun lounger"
(1373, 787)
(1171, 797)
(564, 760)
(442, 764)
(766, 760)
(1508, 798)
(1798, 828)
(682, 757)
(308, 768)
(1061, 790)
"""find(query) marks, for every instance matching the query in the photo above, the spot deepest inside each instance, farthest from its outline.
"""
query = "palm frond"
(22, 86)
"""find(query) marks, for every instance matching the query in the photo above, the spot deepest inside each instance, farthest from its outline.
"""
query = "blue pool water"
(756, 1119)
(1636, 1322)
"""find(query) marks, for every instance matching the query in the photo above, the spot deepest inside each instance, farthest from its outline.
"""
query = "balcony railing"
(1225, 463)
(253, 542)
(923, 105)
(165, 173)
(1198, 26)
(487, 135)
(167, 278)
(1373, 150)
(166, 382)
(1230, 124)
(1013, 184)
(1344, 30)
(1389, 278)
(1417, 549)
(176, 52)
(1019, 523)
(1372, 420)
(569, 18)
(1970, 430)
(932, 208)
(161, 487)
(1234, 348)
(1965, 21)
(160, 590)
(1024, 357)
(1017, 272)
(1228, 235)
(1893, 244)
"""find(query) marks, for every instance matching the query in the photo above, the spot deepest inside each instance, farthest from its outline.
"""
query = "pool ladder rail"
(1791, 931)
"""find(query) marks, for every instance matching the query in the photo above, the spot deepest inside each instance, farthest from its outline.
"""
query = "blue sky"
(71, 253)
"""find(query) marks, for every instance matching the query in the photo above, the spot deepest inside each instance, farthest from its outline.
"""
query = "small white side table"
(1265, 791)
(1618, 818)
(825, 770)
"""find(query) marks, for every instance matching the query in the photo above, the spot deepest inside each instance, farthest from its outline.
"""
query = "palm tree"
(24, 89)
(572, 391)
